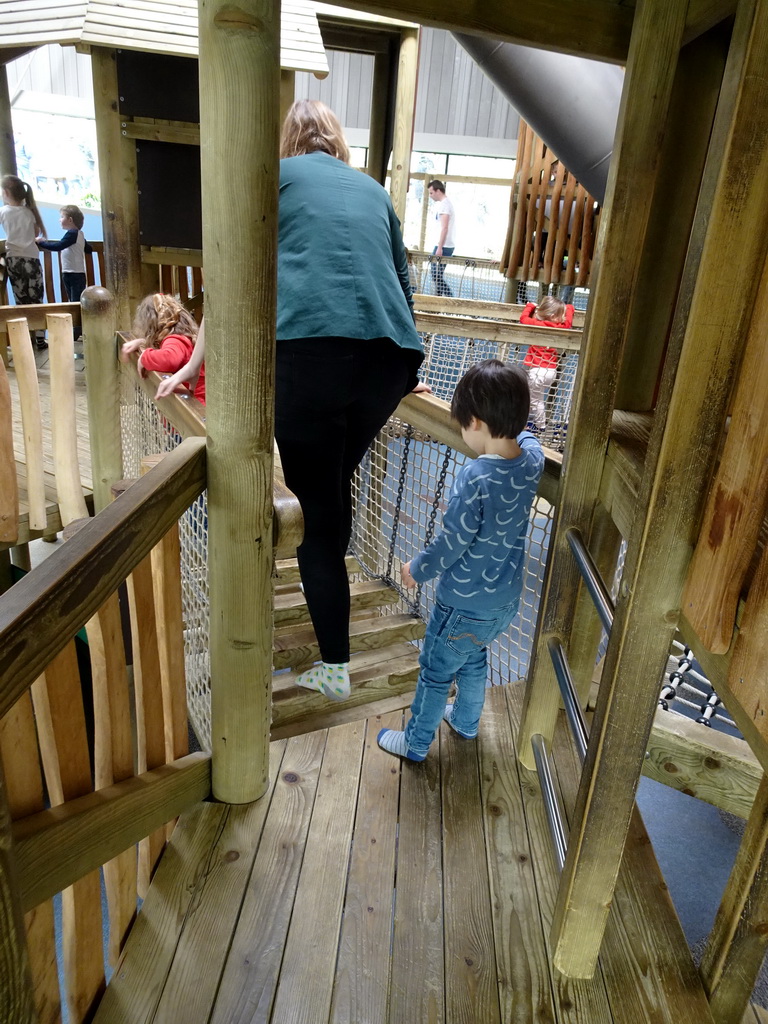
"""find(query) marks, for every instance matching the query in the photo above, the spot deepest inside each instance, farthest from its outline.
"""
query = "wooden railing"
(553, 220)
(108, 788)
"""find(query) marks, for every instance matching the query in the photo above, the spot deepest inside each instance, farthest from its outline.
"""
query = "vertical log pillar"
(239, 85)
(102, 375)
(119, 189)
(405, 107)
(7, 147)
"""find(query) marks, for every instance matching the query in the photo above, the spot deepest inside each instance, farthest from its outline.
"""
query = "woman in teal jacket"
(347, 352)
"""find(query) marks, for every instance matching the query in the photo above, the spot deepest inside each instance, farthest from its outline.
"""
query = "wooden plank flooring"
(361, 890)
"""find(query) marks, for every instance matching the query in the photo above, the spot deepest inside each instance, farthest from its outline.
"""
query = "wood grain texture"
(249, 981)
(9, 494)
(47, 607)
(525, 992)
(471, 990)
(361, 986)
(305, 987)
(31, 419)
(95, 827)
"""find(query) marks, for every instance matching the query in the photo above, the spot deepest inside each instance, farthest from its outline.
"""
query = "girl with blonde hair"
(166, 338)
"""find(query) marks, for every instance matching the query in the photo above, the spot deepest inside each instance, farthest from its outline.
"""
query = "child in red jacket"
(541, 361)
(167, 333)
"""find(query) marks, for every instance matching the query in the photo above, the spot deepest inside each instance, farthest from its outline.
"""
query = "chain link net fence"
(457, 276)
(146, 432)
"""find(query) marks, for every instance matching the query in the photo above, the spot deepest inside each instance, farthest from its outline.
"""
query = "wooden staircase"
(384, 663)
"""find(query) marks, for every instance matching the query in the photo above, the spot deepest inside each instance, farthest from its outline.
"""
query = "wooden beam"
(240, 84)
(169, 256)
(119, 188)
(40, 615)
(378, 155)
(727, 242)
(705, 14)
(498, 331)
(683, 154)
(737, 944)
(586, 28)
(36, 315)
(56, 847)
(704, 763)
(405, 111)
(185, 133)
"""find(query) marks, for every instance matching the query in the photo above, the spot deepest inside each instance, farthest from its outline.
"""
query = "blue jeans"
(455, 647)
(437, 270)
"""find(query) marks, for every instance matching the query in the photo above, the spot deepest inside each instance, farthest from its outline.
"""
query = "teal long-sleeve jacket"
(342, 269)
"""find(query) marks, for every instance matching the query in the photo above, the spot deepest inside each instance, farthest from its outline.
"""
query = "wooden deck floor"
(362, 890)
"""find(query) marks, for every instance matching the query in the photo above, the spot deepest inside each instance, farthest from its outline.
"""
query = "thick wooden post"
(119, 190)
(239, 85)
(7, 146)
(405, 107)
(102, 374)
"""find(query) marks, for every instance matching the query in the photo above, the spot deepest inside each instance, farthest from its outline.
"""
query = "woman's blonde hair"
(21, 192)
(311, 127)
(551, 309)
(159, 315)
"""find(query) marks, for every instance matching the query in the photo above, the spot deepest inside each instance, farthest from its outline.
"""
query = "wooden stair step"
(291, 606)
(374, 676)
(297, 647)
(287, 569)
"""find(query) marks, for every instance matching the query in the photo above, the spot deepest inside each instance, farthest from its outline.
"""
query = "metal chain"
(398, 501)
(432, 517)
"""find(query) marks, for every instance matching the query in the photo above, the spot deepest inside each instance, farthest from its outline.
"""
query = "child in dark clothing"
(73, 248)
(478, 555)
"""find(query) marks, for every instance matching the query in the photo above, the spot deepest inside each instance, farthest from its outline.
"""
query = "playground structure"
(658, 375)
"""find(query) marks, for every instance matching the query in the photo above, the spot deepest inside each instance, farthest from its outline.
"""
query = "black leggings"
(332, 397)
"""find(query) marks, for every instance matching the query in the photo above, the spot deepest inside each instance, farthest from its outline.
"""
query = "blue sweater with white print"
(478, 554)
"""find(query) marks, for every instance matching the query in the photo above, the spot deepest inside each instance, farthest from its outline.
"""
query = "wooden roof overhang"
(166, 26)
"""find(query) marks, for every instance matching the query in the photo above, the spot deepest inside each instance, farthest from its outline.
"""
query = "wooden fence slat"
(554, 219)
(9, 494)
(24, 787)
(32, 420)
(69, 486)
(564, 226)
(58, 701)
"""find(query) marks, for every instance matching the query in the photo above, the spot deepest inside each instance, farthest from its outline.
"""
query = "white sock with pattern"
(331, 680)
(393, 741)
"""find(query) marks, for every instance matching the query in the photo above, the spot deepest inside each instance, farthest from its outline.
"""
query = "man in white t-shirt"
(445, 217)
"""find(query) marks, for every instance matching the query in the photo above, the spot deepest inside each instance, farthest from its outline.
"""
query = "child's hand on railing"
(405, 576)
(422, 389)
(173, 383)
(129, 347)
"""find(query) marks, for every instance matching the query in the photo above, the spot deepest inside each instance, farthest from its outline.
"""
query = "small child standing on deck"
(21, 221)
(73, 247)
(540, 360)
(167, 333)
(478, 556)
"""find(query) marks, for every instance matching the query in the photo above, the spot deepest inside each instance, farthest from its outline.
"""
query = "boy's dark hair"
(75, 214)
(437, 185)
(496, 393)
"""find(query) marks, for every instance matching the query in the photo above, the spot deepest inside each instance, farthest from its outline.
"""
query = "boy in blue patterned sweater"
(478, 555)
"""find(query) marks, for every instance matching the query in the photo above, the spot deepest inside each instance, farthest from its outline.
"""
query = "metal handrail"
(573, 711)
(592, 579)
(551, 803)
